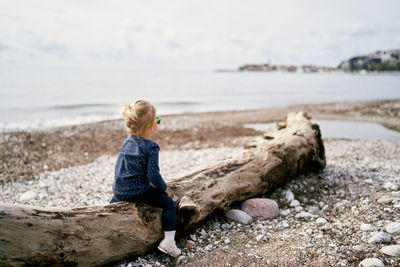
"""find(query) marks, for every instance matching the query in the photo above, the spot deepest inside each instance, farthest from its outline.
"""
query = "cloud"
(50, 47)
(174, 45)
(238, 42)
(194, 34)
(4, 47)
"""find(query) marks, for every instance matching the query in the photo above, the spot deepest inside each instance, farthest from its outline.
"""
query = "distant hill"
(381, 60)
(388, 60)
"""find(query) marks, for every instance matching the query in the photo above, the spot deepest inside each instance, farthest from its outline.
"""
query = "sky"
(192, 35)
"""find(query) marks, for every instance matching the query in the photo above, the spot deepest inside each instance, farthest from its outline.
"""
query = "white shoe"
(169, 247)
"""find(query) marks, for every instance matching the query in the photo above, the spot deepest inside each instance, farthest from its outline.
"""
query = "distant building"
(379, 61)
(283, 68)
(388, 60)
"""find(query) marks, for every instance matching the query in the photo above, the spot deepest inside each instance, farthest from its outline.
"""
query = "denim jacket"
(137, 167)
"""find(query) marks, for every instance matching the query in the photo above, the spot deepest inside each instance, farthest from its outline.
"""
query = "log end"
(188, 213)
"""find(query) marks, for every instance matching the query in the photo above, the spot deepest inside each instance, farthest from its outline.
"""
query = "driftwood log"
(98, 235)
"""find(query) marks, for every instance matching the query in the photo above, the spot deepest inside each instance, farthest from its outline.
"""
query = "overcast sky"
(192, 35)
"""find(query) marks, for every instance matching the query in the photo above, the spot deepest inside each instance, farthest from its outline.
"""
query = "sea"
(37, 99)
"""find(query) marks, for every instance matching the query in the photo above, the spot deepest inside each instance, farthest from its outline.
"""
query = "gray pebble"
(379, 237)
(239, 216)
(304, 215)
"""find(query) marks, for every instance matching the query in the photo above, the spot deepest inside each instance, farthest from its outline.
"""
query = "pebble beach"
(345, 215)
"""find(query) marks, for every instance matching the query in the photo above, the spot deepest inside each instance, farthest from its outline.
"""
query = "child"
(137, 175)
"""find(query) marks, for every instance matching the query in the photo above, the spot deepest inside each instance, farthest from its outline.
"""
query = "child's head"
(140, 118)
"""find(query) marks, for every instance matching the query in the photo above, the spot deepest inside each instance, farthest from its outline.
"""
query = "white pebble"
(284, 212)
(372, 262)
(304, 215)
(321, 221)
(289, 196)
(27, 196)
(393, 228)
(294, 203)
(393, 250)
(390, 186)
(259, 237)
(366, 227)
(298, 208)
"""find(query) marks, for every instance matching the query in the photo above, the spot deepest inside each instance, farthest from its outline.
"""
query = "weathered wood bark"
(98, 235)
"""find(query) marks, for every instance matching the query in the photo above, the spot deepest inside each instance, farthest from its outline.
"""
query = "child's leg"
(160, 199)
(155, 197)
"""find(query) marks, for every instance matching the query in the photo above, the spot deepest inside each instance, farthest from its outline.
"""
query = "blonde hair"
(139, 117)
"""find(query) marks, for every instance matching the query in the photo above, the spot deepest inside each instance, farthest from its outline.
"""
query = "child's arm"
(153, 170)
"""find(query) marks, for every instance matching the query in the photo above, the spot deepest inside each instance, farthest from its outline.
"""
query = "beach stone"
(208, 248)
(366, 227)
(294, 203)
(313, 209)
(27, 196)
(342, 204)
(393, 228)
(304, 215)
(358, 248)
(203, 232)
(385, 200)
(298, 208)
(239, 216)
(379, 237)
(285, 224)
(371, 262)
(259, 237)
(369, 181)
(391, 186)
(284, 212)
(262, 208)
(393, 250)
(193, 237)
(321, 221)
(289, 196)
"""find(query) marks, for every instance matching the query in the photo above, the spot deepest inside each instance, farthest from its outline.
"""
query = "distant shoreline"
(380, 61)
(362, 72)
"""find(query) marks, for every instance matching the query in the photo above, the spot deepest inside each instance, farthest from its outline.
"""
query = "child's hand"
(166, 192)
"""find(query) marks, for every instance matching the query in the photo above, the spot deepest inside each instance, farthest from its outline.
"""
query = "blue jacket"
(137, 167)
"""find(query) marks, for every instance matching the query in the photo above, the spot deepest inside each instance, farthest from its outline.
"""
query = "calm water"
(32, 99)
(344, 129)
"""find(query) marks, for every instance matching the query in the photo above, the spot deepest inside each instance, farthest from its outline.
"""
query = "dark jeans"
(157, 198)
